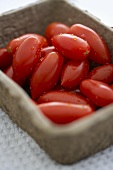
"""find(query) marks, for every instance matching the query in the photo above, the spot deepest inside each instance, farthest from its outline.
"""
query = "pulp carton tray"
(67, 143)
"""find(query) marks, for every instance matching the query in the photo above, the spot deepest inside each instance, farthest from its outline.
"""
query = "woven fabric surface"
(18, 151)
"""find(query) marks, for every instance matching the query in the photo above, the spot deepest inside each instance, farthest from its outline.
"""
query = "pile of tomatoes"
(68, 72)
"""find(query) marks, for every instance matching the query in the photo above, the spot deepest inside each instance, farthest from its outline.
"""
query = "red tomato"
(71, 46)
(99, 51)
(25, 59)
(62, 96)
(62, 113)
(102, 73)
(5, 58)
(98, 92)
(47, 50)
(58, 87)
(9, 72)
(73, 73)
(42, 39)
(55, 28)
(111, 86)
(15, 43)
(46, 74)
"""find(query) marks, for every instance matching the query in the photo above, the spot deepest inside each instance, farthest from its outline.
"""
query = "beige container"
(67, 143)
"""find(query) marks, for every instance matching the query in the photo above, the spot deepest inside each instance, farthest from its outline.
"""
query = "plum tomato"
(73, 73)
(99, 51)
(5, 58)
(25, 59)
(98, 92)
(42, 39)
(111, 86)
(46, 74)
(71, 46)
(9, 72)
(15, 43)
(55, 28)
(62, 96)
(102, 73)
(47, 50)
(62, 113)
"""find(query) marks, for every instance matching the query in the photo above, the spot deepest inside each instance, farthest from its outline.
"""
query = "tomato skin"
(99, 51)
(98, 92)
(5, 58)
(46, 74)
(111, 86)
(9, 72)
(73, 73)
(74, 47)
(102, 73)
(55, 28)
(47, 50)
(62, 96)
(42, 40)
(14, 44)
(25, 59)
(62, 113)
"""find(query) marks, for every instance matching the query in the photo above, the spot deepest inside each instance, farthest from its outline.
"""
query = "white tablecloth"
(18, 151)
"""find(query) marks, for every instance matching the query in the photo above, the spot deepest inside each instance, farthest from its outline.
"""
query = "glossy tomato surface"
(62, 113)
(5, 58)
(73, 73)
(14, 44)
(62, 96)
(99, 51)
(71, 46)
(47, 50)
(46, 74)
(25, 59)
(55, 28)
(98, 92)
(102, 73)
